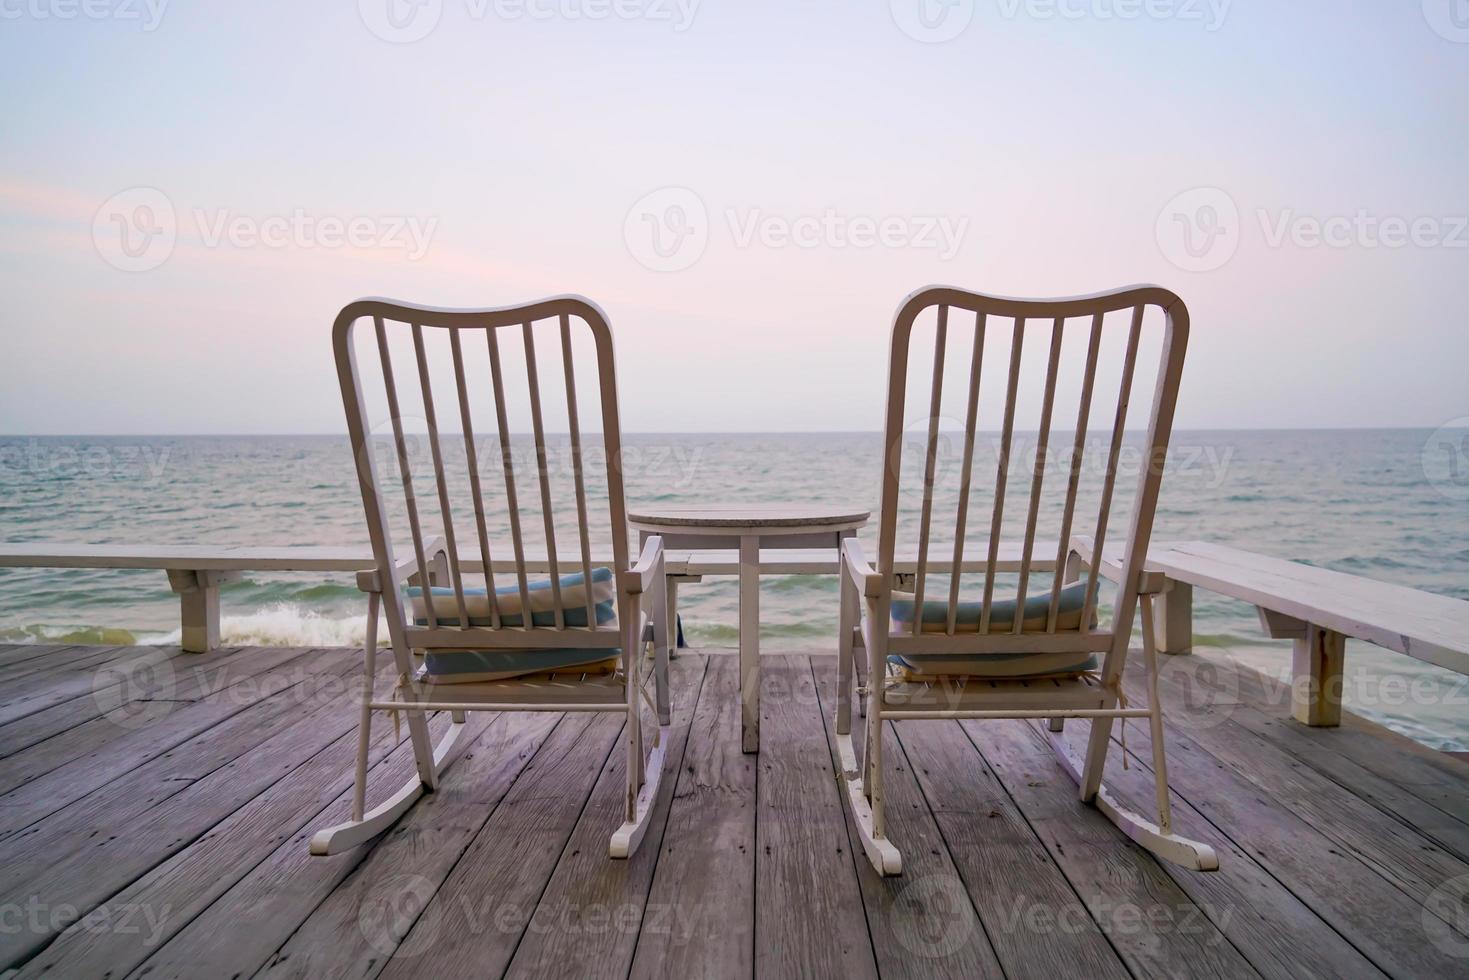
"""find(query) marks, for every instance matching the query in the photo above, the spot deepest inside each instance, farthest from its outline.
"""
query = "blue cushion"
(507, 600)
(998, 666)
(1002, 618)
(466, 666)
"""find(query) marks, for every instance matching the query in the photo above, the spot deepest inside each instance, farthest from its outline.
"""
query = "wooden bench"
(1316, 608)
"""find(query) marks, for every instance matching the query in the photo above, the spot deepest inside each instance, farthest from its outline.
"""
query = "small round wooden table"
(748, 527)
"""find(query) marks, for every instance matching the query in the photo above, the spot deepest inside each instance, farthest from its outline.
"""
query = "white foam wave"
(287, 625)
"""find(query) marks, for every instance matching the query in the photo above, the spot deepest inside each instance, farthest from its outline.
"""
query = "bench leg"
(198, 594)
(1316, 687)
(750, 643)
(1173, 618)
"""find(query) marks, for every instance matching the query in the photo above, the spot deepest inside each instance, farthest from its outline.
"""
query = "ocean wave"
(45, 633)
(287, 625)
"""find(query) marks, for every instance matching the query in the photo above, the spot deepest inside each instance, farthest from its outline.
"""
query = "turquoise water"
(1383, 504)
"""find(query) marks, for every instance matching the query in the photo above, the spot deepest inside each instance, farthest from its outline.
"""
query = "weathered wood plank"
(1153, 924)
(168, 710)
(144, 683)
(1010, 877)
(293, 891)
(249, 924)
(469, 927)
(593, 908)
(56, 661)
(1399, 853)
(414, 855)
(1275, 930)
(1360, 754)
(82, 797)
(175, 892)
(803, 860)
(923, 922)
(1371, 912)
(705, 871)
(82, 870)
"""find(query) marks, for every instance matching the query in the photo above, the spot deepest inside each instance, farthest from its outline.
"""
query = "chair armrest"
(404, 568)
(857, 569)
(1084, 547)
(643, 575)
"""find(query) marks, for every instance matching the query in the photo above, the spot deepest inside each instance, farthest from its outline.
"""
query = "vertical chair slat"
(941, 337)
(1119, 423)
(443, 484)
(1073, 479)
(1001, 472)
(472, 460)
(576, 471)
(540, 434)
(1038, 472)
(391, 389)
(507, 462)
(965, 473)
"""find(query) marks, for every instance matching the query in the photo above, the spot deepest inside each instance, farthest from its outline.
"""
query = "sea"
(1390, 505)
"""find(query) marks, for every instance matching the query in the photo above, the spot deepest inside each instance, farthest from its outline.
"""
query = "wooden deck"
(155, 808)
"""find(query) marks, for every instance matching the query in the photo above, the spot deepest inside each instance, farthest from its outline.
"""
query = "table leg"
(750, 643)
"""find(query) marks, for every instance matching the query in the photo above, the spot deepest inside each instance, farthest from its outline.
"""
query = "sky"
(190, 191)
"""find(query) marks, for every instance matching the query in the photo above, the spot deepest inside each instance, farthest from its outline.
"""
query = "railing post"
(198, 593)
(1173, 618)
(1316, 677)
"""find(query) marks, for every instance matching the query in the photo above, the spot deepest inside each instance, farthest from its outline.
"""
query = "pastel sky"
(189, 191)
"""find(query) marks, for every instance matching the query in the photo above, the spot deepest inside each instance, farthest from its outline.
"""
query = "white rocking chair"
(1033, 655)
(549, 645)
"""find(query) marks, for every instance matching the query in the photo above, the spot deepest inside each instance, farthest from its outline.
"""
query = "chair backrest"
(465, 486)
(1000, 329)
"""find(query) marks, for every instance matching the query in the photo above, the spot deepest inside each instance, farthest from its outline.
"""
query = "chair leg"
(863, 784)
(364, 723)
(664, 636)
(846, 623)
(1155, 837)
(1155, 718)
(644, 773)
(1190, 854)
